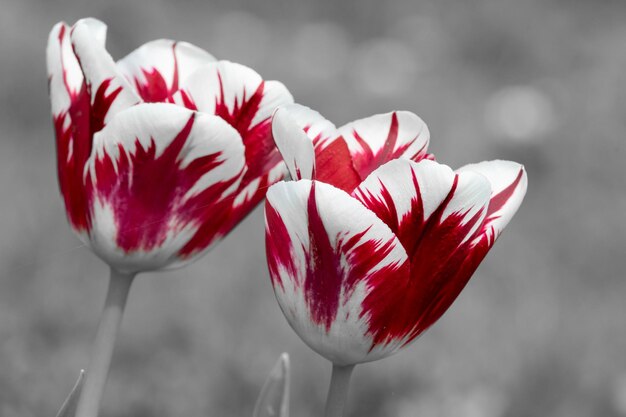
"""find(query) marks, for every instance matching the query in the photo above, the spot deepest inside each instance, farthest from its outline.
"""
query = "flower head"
(361, 270)
(159, 154)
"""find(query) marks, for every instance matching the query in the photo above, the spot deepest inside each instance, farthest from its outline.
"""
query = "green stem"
(338, 390)
(89, 400)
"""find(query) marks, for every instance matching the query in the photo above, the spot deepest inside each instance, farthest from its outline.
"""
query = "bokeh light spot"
(523, 114)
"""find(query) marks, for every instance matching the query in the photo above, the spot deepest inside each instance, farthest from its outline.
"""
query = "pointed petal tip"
(273, 401)
(501, 173)
(280, 370)
(509, 182)
(68, 409)
(97, 28)
(293, 144)
(283, 364)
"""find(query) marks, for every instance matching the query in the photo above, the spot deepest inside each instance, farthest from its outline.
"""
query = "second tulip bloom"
(375, 241)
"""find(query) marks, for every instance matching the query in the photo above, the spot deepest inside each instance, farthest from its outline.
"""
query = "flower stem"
(89, 400)
(338, 390)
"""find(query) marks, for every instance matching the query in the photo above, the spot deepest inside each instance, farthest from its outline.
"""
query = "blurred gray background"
(539, 331)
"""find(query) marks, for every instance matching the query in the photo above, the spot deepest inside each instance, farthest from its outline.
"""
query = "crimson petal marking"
(110, 92)
(235, 92)
(435, 213)
(468, 204)
(293, 144)
(70, 114)
(157, 69)
(326, 253)
(404, 195)
(240, 96)
(158, 177)
(508, 183)
(448, 253)
(378, 139)
(334, 166)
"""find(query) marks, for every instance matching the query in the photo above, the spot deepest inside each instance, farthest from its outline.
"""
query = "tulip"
(159, 156)
(361, 268)
(151, 186)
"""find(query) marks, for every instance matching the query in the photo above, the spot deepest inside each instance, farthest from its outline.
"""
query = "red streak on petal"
(147, 193)
(366, 160)
(279, 246)
(499, 200)
(328, 278)
(61, 33)
(324, 273)
(211, 209)
(175, 76)
(442, 261)
(73, 142)
(153, 88)
(73, 139)
(102, 104)
(410, 227)
(461, 267)
(364, 256)
(390, 142)
(421, 155)
(260, 151)
(333, 165)
(187, 101)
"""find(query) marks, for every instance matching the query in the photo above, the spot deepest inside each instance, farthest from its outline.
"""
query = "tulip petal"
(435, 213)
(110, 92)
(326, 253)
(378, 139)
(294, 145)
(404, 195)
(331, 160)
(64, 73)
(234, 92)
(320, 131)
(239, 95)
(508, 184)
(70, 113)
(157, 68)
(97, 28)
(160, 178)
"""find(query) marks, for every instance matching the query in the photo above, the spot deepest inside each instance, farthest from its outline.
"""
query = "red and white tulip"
(161, 153)
(362, 266)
